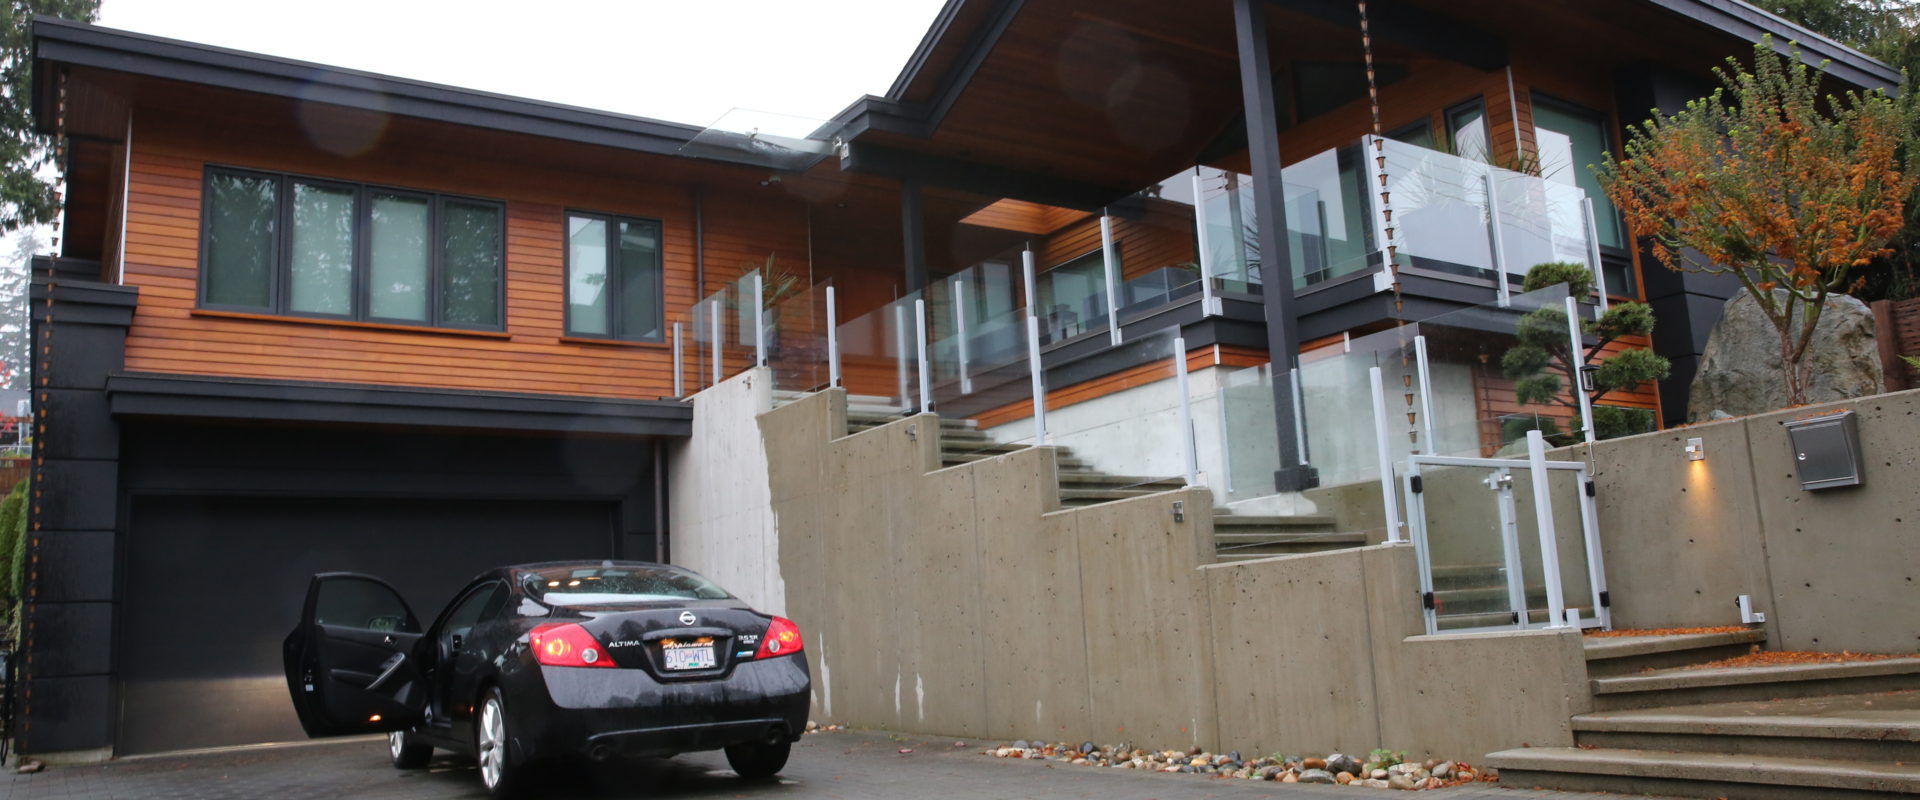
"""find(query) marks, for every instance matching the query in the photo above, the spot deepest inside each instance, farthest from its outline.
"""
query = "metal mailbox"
(1826, 449)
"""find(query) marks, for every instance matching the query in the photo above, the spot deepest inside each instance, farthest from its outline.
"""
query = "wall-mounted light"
(1696, 449)
(1586, 377)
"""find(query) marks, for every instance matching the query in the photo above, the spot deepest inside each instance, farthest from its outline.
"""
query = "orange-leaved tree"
(1789, 190)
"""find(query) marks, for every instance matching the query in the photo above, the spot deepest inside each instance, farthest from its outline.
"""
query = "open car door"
(351, 661)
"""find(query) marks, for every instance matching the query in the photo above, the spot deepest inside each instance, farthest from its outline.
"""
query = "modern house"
(305, 318)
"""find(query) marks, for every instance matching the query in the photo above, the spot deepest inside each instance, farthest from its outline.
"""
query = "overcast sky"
(679, 60)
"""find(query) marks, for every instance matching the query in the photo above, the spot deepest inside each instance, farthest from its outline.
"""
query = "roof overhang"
(58, 41)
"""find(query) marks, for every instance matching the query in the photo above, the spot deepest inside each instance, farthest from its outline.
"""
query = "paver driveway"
(848, 766)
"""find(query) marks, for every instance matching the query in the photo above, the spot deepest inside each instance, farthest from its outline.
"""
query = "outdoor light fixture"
(1586, 377)
(1696, 449)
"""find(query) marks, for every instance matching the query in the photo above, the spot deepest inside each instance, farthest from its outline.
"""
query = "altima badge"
(687, 618)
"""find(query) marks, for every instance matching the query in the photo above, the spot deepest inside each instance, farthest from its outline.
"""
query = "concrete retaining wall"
(963, 601)
(721, 517)
(1834, 570)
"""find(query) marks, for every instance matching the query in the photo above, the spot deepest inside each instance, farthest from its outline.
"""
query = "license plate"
(689, 656)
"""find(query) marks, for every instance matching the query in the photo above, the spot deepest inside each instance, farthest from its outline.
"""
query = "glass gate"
(1505, 544)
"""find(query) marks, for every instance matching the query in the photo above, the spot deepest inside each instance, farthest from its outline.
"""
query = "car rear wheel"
(758, 760)
(408, 751)
(497, 771)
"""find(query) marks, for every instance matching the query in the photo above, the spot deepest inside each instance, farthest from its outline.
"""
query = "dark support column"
(79, 334)
(1687, 304)
(913, 232)
(1276, 268)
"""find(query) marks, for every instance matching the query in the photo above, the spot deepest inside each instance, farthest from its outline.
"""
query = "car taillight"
(566, 644)
(782, 639)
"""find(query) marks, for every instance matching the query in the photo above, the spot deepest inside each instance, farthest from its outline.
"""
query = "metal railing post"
(1543, 519)
(1112, 258)
(1579, 360)
(759, 320)
(1426, 395)
(713, 314)
(1186, 410)
(1593, 257)
(833, 339)
(960, 333)
(1299, 414)
(1499, 249)
(900, 354)
(920, 347)
(679, 364)
(1027, 273)
(1383, 449)
(1039, 384)
(1207, 300)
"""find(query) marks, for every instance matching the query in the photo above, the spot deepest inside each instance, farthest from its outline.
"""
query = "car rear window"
(599, 586)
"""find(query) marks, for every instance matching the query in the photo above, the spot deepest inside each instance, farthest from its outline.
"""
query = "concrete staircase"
(1236, 537)
(1842, 730)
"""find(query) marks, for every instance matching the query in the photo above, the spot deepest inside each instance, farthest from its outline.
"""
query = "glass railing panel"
(985, 399)
(1540, 221)
(797, 342)
(1330, 217)
(715, 350)
(1072, 298)
(1338, 399)
(1119, 440)
(1439, 204)
(1232, 230)
(879, 361)
(1482, 404)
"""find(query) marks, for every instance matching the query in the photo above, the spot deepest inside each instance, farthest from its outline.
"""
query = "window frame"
(280, 272)
(615, 273)
(1477, 103)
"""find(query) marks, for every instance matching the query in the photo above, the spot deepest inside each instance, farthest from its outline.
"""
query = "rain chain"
(1407, 366)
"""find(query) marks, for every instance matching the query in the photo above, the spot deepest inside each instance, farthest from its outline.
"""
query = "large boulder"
(1740, 371)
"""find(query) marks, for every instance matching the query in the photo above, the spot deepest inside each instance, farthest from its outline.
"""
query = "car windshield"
(598, 586)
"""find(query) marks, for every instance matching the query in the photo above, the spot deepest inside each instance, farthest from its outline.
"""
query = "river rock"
(1740, 370)
(1316, 776)
(1342, 763)
(1442, 769)
(1319, 763)
(1375, 784)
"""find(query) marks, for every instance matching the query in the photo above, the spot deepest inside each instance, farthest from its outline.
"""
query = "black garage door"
(212, 586)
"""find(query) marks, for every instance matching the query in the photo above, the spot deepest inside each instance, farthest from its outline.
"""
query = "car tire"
(408, 751)
(498, 773)
(758, 760)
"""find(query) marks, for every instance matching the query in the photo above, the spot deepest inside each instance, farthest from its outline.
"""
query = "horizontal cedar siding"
(162, 259)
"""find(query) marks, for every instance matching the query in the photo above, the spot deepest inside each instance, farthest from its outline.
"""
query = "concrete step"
(1086, 497)
(947, 426)
(1702, 774)
(1677, 686)
(1066, 464)
(1608, 656)
(1090, 479)
(1225, 522)
(1484, 599)
(1246, 546)
(1871, 727)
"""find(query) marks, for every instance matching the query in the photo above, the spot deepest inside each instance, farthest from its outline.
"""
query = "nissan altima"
(545, 662)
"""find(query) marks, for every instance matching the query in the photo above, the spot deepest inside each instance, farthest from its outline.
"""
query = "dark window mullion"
(362, 269)
(436, 259)
(615, 280)
(282, 244)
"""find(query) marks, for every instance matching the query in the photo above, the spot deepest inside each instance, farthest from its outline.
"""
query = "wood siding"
(171, 151)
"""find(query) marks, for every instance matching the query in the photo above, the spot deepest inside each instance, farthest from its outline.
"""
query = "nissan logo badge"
(687, 618)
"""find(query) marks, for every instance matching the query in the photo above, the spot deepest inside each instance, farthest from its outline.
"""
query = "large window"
(1572, 139)
(613, 277)
(284, 244)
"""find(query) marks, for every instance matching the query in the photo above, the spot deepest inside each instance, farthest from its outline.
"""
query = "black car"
(544, 662)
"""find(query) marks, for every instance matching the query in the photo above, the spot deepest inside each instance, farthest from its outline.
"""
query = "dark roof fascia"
(880, 114)
(208, 397)
(928, 42)
(79, 44)
(1750, 23)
